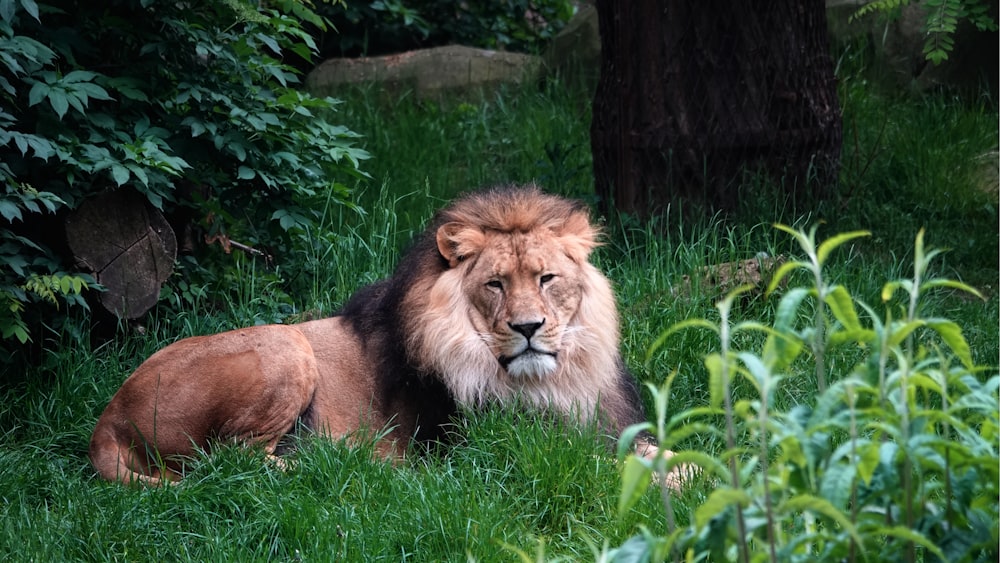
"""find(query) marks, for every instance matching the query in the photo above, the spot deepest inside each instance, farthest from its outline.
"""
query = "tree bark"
(693, 93)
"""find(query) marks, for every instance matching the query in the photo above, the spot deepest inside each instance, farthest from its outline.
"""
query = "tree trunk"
(694, 92)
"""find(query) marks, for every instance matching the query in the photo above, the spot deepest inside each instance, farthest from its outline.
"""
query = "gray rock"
(429, 73)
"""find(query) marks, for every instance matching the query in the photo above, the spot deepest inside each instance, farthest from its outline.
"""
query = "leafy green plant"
(387, 26)
(943, 17)
(193, 106)
(896, 459)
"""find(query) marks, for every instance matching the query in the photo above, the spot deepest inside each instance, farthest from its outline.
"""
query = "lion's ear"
(579, 236)
(457, 241)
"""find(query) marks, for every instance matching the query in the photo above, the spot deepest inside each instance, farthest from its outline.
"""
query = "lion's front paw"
(678, 477)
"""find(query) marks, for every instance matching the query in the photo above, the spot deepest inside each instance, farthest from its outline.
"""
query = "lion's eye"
(494, 284)
(546, 279)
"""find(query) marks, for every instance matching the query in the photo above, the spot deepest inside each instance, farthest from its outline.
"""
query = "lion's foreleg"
(677, 477)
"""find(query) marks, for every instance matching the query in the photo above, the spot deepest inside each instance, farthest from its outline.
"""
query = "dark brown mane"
(513, 209)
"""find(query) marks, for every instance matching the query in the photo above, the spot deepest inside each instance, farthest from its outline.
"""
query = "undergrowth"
(894, 459)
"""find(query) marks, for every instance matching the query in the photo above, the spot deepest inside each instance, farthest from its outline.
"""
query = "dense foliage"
(896, 460)
(193, 105)
(363, 27)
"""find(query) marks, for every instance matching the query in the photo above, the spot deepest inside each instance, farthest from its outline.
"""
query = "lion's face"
(524, 292)
(519, 310)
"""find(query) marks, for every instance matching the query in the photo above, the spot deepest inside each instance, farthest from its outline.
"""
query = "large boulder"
(429, 73)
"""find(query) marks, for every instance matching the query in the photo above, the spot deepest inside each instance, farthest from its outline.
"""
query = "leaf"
(627, 438)
(868, 460)
(79, 76)
(32, 8)
(291, 220)
(39, 91)
(129, 88)
(196, 125)
(783, 271)
(783, 345)
(717, 502)
(952, 285)
(761, 375)
(637, 549)
(139, 172)
(863, 336)
(77, 100)
(837, 482)
(821, 506)
(900, 331)
(59, 101)
(902, 532)
(830, 244)
(119, 174)
(239, 151)
(155, 199)
(42, 147)
(715, 389)
(9, 210)
(788, 308)
(16, 263)
(951, 333)
(636, 477)
(688, 323)
(799, 235)
(890, 288)
(7, 10)
(842, 306)
(245, 173)
(94, 91)
(269, 42)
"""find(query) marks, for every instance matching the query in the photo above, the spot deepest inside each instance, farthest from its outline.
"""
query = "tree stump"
(127, 245)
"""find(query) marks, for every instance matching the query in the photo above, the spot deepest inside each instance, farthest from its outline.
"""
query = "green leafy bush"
(193, 105)
(390, 26)
(896, 460)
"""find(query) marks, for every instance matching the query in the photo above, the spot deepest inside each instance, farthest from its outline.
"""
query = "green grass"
(511, 483)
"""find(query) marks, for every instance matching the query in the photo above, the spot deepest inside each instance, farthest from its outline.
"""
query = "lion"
(495, 303)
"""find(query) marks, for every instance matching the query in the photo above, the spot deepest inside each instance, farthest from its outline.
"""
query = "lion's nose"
(526, 329)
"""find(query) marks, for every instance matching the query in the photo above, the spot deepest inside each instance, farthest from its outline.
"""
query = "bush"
(897, 461)
(392, 26)
(189, 104)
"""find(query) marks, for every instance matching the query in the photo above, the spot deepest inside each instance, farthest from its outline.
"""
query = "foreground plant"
(895, 460)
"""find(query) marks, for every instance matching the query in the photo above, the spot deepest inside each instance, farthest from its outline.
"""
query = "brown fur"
(497, 301)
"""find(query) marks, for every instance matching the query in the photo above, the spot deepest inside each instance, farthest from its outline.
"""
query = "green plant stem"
(668, 507)
(818, 346)
(852, 409)
(904, 390)
(768, 504)
(907, 468)
(734, 469)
